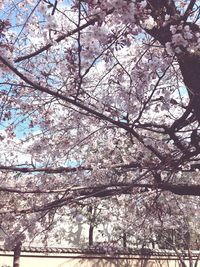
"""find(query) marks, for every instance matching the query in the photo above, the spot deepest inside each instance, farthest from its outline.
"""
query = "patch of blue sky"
(179, 5)
(74, 163)
(22, 126)
(183, 92)
(21, 122)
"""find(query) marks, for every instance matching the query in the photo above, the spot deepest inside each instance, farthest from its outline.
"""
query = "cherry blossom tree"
(99, 99)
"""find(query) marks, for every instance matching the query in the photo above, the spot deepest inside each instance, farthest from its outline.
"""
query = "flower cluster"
(184, 39)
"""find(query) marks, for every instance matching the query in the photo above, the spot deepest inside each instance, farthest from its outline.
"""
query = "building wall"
(78, 260)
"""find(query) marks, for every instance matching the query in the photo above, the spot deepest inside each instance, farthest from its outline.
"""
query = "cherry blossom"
(99, 104)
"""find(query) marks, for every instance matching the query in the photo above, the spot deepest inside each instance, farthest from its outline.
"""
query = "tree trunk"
(91, 230)
(124, 240)
(17, 252)
(189, 62)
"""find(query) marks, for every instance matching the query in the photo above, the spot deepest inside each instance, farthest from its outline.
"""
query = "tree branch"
(97, 114)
